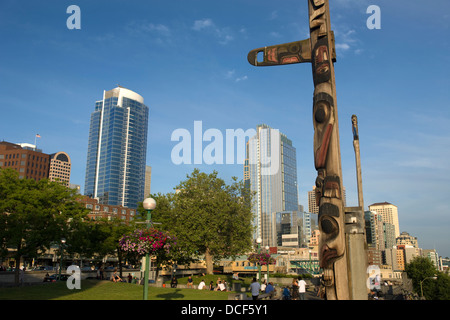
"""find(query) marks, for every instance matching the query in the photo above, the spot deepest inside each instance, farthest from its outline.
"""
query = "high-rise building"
(389, 213)
(117, 148)
(60, 167)
(148, 181)
(406, 239)
(270, 171)
(312, 204)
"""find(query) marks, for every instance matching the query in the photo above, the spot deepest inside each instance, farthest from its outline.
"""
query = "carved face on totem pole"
(326, 157)
(332, 239)
(355, 127)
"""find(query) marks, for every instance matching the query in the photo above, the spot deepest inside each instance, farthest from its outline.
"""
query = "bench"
(266, 296)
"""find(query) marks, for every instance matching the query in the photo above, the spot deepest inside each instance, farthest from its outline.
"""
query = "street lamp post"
(61, 248)
(149, 204)
(267, 250)
(421, 289)
(258, 241)
(310, 263)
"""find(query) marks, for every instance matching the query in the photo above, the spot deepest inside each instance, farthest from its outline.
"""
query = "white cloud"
(241, 78)
(223, 35)
(346, 40)
(202, 24)
(231, 75)
(342, 46)
(140, 27)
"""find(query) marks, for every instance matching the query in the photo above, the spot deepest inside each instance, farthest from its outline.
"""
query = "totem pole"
(358, 160)
(355, 235)
(320, 51)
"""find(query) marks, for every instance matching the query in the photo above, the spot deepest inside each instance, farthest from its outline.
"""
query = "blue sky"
(188, 59)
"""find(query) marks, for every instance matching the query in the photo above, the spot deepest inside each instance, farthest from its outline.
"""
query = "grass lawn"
(106, 290)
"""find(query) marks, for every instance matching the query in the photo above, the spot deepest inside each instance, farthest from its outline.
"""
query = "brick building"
(30, 164)
(99, 211)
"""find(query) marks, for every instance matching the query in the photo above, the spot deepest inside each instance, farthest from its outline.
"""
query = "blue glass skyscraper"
(270, 171)
(117, 148)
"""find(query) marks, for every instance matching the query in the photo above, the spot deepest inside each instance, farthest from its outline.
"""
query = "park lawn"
(245, 282)
(105, 290)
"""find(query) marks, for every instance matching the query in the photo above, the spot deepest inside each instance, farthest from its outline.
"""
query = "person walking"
(295, 289)
(254, 288)
(302, 289)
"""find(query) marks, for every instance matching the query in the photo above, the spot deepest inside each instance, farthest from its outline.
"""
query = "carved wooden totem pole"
(320, 51)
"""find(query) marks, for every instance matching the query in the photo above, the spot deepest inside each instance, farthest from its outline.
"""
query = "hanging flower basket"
(151, 241)
(261, 258)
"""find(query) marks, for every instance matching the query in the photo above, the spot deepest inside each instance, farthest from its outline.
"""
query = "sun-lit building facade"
(117, 148)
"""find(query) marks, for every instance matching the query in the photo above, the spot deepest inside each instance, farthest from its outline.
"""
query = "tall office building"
(389, 213)
(60, 167)
(117, 148)
(312, 204)
(148, 181)
(270, 171)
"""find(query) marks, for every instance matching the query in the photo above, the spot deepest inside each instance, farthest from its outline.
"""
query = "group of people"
(116, 278)
(220, 285)
(297, 291)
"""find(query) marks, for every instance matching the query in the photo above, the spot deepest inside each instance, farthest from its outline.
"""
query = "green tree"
(209, 217)
(421, 271)
(34, 215)
(106, 235)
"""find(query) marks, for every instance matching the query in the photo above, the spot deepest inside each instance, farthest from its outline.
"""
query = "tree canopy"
(425, 277)
(209, 217)
(34, 214)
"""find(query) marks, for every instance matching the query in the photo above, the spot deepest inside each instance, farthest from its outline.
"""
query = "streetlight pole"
(258, 241)
(421, 289)
(149, 204)
(61, 248)
(267, 250)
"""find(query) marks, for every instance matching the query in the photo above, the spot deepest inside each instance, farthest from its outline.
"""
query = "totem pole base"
(355, 239)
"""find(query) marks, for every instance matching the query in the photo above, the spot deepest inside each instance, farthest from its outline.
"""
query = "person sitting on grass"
(220, 286)
(286, 294)
(190, 282)
(202, 285)
(174, 282)
(115, 277)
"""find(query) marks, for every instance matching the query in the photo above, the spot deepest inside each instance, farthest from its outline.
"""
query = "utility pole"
(319, 50)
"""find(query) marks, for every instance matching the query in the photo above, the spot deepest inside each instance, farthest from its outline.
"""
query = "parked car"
(55, 277)
(43, 268)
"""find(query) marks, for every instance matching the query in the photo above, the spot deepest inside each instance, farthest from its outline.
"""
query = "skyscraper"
(270, 171)
(389, 213)
(117, 148)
